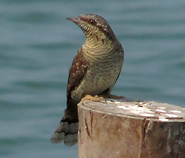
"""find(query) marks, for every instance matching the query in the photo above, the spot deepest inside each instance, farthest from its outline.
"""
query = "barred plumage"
(94, 71)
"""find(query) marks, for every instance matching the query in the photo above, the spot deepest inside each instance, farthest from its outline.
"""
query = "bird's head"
(95, 27)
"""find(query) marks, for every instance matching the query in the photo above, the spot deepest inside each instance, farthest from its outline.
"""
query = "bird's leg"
(115, 96)
(107, 94)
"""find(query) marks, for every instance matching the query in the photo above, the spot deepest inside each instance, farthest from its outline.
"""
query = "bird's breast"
(101, 74)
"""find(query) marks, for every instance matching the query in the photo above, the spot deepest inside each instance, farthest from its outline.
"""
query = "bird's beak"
(76, 20)
(80, 21)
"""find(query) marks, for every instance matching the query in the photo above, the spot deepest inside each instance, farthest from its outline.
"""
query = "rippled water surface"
(37, 46)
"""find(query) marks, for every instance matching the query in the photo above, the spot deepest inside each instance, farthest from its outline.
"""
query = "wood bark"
(130, 129)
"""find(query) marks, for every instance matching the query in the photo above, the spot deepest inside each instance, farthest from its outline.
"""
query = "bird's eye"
(92, 22)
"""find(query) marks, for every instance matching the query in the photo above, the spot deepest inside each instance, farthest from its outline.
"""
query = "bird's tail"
(67, 130)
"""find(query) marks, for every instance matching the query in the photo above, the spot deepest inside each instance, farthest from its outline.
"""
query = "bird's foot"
(94, 98)
(116, 97)
(112, 96)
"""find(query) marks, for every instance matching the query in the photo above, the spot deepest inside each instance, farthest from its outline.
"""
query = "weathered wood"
(127, 129)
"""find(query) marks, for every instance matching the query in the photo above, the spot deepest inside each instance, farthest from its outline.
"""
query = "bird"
(94, 71)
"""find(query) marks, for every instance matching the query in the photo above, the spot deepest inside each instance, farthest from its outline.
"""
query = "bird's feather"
(76, 72)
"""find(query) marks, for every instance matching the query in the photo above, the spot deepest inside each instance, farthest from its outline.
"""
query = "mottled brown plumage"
(94, 71)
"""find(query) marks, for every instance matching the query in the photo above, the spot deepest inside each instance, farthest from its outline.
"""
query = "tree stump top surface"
(141, 109)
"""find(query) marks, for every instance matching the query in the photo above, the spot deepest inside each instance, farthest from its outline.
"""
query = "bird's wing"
(67, 130)
(76, 72)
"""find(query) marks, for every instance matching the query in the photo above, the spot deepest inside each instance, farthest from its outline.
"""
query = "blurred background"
(38, 44)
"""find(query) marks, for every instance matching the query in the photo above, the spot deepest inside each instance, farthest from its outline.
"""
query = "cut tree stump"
(130, 129)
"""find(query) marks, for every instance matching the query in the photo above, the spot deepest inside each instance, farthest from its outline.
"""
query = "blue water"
(37, 46)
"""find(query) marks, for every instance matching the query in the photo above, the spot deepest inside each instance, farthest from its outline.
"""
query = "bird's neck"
(95, 48)
(96, 43)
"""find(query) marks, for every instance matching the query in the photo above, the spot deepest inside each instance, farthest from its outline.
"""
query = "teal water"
(37, 46)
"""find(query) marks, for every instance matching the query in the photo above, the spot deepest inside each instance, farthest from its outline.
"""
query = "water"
(37, 46)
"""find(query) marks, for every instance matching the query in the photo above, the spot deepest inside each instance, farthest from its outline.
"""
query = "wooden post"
(130, 129)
